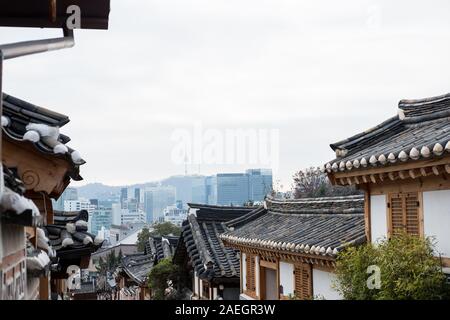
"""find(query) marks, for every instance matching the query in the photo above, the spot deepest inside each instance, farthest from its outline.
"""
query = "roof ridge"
(422, 101)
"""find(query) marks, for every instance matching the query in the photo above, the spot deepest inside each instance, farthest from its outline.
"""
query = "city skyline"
(293, 66)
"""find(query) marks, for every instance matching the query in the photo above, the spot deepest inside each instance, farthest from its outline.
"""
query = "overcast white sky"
(318, 71)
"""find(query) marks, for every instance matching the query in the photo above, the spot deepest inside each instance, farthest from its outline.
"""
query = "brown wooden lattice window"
(303, 281)
(250, 266)
(405, 214)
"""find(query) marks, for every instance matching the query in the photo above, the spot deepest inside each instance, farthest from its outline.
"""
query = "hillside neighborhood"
(361, 226)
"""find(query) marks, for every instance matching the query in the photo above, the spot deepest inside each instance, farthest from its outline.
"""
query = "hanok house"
(36, 152)
(38, 163)
(403, 165)
(288, 248)
(73, 244)
(132, 274)
(211, 270)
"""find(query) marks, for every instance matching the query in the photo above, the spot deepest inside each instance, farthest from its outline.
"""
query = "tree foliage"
(165, 229)
(161, 277)
(408, 271)
(142, 238)
(312, 183)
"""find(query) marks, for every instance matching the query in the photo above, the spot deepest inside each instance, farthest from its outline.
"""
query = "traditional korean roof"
(69, 237)
(161, 247)
(137, 266)
(315, 226)
(421, 130)
(200, 240)
(38, 261)
(14, 207)
(23, 121)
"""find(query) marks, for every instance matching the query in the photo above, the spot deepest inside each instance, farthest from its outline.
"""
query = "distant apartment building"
(175, 215)
(116, 213)
(77, 205)
(119, 232)
(68, 194)
(101, 218)
(156, 199)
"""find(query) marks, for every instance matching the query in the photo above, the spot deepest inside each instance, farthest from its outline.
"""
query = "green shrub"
(408, 271)
(159, 277)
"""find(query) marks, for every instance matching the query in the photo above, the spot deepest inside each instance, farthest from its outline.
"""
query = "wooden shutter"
(412, 206)
(404, 214)
(250, 267)
(303, 281)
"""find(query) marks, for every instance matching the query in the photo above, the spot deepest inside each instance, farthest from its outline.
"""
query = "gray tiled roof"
(137, 266)
(18, 114)
(200, 239)
(319, 226)
(161, 247)
(69, 234)
(421, 130)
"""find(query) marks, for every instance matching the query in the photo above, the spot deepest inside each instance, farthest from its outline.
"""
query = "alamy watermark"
(374, 280)
(242, 146)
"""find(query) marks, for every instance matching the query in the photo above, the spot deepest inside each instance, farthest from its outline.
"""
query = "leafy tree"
(143, 236)
(165, 229)
(407, 265)
(161, 277)
(112, 262)
(101, 267)
(312, 183)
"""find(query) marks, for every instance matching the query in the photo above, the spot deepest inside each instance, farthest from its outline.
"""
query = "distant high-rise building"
(116, 213)
(94, 202)
(199, 189)
(156, 200)
(123, 195)
(175, 215)
(101, 217)
(137, 195)
(238, 188)
(68, 194)
(211, 190)
(77, 205)
(260, 183)
(232, 189)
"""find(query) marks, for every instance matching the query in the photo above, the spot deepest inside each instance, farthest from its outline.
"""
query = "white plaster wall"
(287, 277)
(196, 288)
(378, 217)
(436, 216)
(244, 272)
(322, 285)
(257, 284)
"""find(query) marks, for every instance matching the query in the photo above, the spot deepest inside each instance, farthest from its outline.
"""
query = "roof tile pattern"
(320, 226)
(420, 131)
(201, 240)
